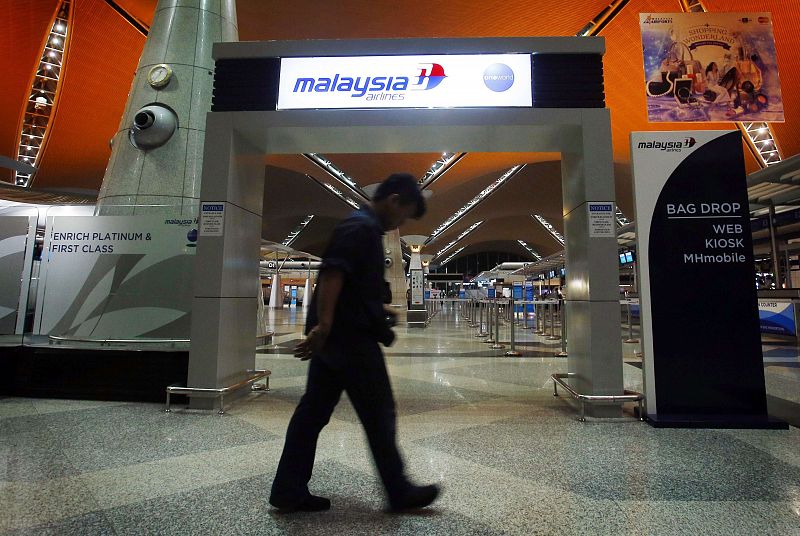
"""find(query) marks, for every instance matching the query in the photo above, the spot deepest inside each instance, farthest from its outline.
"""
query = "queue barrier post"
(513, 351)
(490, 314)
(481, 332)
(631, 339)
(538, 318)
(496, 343)
(552, 336)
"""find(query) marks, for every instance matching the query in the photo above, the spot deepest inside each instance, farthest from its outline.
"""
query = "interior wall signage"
(710, 67)
(116, 277)
(602, 222)
(430, 81)
(417, 287)
(695, 260)
(778, 317)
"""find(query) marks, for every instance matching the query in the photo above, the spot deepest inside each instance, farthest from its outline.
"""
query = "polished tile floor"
(511, 458)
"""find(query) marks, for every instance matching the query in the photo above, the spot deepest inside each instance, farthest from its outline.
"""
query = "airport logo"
(668, 146)
(657, 20)
(498, 77)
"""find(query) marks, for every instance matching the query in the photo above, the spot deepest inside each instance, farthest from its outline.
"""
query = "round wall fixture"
(159, 76)
(153, 125)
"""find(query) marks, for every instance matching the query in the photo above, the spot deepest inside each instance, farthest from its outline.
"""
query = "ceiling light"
(456, 252)
(56, 41)
(458, 239)
(549, 228)
(59, 27)
(530, 250)
(52, 54)
(473, 202)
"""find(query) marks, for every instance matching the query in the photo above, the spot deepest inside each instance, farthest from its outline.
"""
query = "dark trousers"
(360, 371)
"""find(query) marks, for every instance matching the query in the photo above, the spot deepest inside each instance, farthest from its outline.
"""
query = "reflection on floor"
(511, 458)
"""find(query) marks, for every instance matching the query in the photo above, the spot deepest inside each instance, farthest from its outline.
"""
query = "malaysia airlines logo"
(374, 87)
(669, 146)
(430, 76)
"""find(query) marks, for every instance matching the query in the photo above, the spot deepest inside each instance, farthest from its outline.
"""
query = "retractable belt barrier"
(485, 315)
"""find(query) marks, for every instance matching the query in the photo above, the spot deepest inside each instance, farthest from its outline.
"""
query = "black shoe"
(311, 503)
(415, 497)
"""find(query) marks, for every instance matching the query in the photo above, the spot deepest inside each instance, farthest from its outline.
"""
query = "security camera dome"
(153, 126)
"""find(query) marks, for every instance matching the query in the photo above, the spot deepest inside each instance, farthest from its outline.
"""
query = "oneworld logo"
(498, 77)
(391, 87)
(668, 146)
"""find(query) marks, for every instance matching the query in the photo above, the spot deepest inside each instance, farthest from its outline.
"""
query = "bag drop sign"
(694, 244)
(601, 220)
(212, 218)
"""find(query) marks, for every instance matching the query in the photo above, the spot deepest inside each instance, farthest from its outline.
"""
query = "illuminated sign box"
(440, 81)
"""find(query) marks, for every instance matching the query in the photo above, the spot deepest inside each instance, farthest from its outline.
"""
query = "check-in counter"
(777, 311)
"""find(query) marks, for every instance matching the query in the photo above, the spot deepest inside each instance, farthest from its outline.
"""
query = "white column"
(307, 292)
(592, 297)
(276, 293)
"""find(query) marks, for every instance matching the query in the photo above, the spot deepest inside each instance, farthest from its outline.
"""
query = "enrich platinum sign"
(441, 81)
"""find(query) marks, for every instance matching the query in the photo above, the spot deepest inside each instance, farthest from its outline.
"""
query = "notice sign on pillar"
(601, 220)
(699, 312)
(212, 218)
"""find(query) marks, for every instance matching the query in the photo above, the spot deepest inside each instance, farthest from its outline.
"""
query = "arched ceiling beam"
(43, 95)
(140, 26)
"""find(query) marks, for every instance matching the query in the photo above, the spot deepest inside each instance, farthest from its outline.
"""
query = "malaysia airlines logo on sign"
(430, 76)
(487, 80)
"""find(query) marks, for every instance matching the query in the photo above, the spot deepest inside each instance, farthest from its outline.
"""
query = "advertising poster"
(695, 256)
(777, 317)
(116, 277)
(710, 67)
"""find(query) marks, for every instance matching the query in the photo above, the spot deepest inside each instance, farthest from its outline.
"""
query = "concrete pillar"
(168, 176)
(309, 288)
(224, 305)
(395, 274)
(592, 295)
(416, 259)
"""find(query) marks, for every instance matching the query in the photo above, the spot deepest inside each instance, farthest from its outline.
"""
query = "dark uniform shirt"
(356, 249)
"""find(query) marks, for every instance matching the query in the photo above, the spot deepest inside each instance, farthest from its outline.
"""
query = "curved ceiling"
(104, 50)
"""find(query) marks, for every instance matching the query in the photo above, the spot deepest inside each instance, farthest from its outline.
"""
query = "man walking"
(345, 324)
